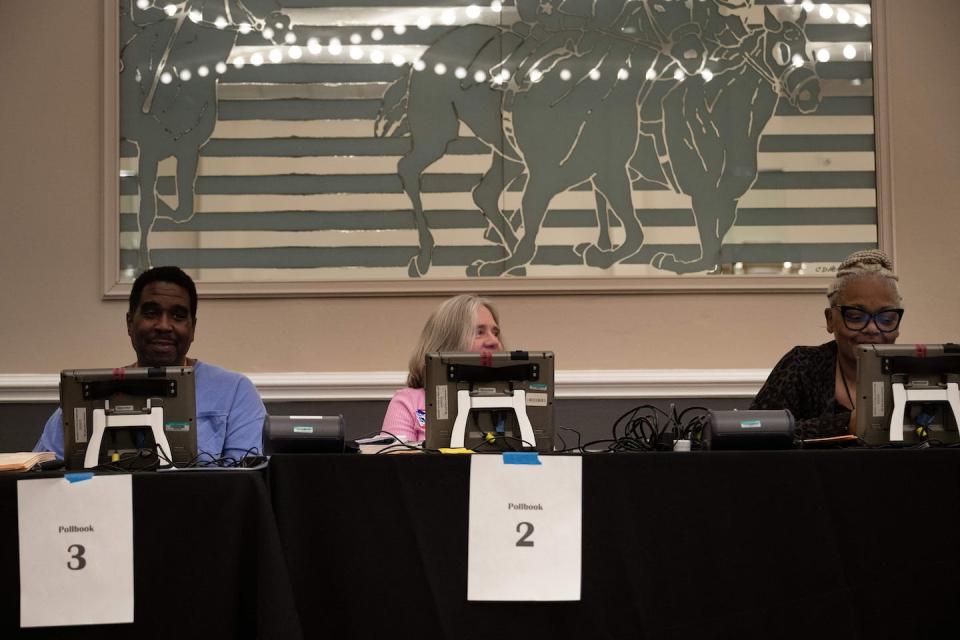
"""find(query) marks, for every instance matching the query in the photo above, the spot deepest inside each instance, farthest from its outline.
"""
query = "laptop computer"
(135, 418)
(490, 401)
(908, 393)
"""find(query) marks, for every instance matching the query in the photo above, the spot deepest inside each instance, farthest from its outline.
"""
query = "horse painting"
(625, 110)
(168, 90)
(576, 144)
(712, 130)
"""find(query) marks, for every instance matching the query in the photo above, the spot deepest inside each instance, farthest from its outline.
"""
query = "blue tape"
(80, 476)
(520, 457)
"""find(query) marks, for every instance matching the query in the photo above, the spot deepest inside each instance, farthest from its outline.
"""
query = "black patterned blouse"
(804, 381)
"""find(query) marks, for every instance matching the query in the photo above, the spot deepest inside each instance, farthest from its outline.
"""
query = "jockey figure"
(555, 29)
(691, 32)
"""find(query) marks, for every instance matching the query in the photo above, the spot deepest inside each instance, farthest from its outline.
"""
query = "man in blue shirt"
(161, 322)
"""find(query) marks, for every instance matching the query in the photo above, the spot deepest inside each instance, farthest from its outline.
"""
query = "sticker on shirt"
(421, 417)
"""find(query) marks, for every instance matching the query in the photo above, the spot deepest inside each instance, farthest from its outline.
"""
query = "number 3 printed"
(523, 542)
(77, 550)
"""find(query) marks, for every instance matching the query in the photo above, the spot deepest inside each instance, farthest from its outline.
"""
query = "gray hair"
(449, 328)
(861, 264)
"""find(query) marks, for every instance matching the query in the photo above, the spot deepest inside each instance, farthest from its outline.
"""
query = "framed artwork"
(289, 147)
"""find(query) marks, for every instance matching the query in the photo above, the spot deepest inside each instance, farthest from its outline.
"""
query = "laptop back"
(911, 387)
(455, 382)
(137, 398)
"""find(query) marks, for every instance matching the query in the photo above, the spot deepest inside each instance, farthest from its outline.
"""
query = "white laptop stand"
(902, 395)
(103, 421)
(517, 401)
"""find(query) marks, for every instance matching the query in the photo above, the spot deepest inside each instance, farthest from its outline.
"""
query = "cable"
(492, 438)
(579, 438)
(649, 428)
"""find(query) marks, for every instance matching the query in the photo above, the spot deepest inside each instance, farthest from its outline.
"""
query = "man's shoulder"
(207, 370)
(210, 375)
(219, 389)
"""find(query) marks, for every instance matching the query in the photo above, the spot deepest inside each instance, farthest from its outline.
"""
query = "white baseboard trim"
(380, 385)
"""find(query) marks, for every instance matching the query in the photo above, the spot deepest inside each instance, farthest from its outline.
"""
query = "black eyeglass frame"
(870, 316)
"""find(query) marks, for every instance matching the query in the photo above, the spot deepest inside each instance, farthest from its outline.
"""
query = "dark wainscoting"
(21, 424)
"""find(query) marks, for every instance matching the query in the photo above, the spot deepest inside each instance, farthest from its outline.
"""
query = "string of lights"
(362, 47)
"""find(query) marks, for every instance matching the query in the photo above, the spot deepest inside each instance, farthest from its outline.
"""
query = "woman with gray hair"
(462, 323)
(818, 384)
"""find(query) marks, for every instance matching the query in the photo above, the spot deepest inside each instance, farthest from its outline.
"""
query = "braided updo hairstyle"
(861, 264)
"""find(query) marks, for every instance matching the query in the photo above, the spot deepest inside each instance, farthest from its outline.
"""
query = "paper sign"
(525, 529)
(76, 551)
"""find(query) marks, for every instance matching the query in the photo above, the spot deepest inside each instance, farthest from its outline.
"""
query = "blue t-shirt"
(229, 416)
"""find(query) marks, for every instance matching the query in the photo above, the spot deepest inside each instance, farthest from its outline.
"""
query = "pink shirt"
(406, 415)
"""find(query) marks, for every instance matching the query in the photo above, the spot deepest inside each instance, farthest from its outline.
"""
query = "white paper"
(76, 551)
(525, 529)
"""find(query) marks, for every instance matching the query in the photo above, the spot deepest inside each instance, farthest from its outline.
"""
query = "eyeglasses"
(857, 319)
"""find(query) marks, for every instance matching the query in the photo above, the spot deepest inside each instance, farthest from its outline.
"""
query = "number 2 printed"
(523, 541)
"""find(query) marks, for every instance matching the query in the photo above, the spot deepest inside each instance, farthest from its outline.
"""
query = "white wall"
(52, 314)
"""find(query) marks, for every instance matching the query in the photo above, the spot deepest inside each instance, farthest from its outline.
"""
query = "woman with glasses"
(818, 384)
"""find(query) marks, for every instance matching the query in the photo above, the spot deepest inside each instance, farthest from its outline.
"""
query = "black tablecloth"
(207, 561)
(796, 544)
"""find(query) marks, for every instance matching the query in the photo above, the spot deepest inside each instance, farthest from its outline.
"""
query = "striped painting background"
(293, 185)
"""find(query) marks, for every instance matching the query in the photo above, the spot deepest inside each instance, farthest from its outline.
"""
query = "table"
(207, 561)
(791, 544)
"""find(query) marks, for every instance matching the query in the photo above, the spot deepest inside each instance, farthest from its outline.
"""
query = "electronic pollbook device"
(908, 393)
(504, 399)
(133, 418)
